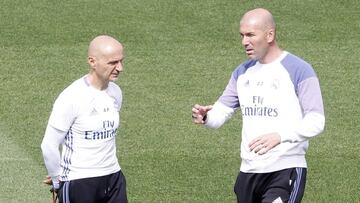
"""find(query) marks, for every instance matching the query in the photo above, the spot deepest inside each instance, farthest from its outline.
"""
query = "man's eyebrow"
(115, 61)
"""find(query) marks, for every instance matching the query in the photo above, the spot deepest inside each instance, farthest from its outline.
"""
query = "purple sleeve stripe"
(230, 95)
(242, 68)
(310, 96)
(298, 69)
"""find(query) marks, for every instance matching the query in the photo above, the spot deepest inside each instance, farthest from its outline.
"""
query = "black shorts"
(287, 185)
(104, 189)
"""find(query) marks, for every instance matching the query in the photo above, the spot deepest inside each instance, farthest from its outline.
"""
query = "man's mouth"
(249, 51)
(115, 75)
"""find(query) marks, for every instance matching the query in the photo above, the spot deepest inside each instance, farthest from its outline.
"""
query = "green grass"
(178, 53)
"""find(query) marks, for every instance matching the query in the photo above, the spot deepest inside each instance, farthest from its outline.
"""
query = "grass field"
(178, 53)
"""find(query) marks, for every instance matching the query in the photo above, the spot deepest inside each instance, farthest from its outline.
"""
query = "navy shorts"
(287, 185)
(104, 189)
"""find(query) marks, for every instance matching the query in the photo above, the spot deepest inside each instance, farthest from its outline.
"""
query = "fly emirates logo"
(258, 109)
(108, 132)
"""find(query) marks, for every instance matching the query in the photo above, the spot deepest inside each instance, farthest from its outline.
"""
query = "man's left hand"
(264, 143)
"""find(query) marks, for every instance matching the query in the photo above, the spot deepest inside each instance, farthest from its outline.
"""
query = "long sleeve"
(218, 115)
(227, 103)
(50, 150)
(313, 121)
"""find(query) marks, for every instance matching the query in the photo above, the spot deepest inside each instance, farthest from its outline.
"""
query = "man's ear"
(271, 35)
(91, 61)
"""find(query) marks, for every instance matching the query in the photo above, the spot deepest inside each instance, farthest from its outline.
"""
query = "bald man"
(84, 121)
(280, 100)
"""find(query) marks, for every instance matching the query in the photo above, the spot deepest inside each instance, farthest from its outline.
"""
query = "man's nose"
(244, 41)
(119, 67)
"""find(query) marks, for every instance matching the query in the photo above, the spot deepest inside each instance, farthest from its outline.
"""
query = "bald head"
(105, 57)
(259, 17)
(102, 45)
(258, 32)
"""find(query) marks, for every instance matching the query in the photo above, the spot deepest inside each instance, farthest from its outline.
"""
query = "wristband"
(55, 182)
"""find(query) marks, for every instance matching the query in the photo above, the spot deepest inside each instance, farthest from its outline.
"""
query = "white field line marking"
(14, 159)
(9, 149)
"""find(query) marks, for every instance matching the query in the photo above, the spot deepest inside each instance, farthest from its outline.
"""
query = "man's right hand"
(199, 113)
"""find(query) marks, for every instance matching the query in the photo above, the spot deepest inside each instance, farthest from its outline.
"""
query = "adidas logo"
(278, 200)
(93, 112)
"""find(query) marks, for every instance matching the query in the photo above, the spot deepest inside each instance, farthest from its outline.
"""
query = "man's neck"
(273, 53)
(95, 82)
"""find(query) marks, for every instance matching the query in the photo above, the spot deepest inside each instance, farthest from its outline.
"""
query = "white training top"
(284, 97)
(89, 119)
